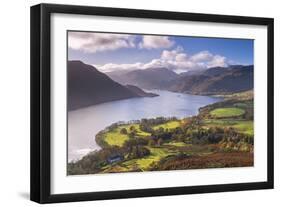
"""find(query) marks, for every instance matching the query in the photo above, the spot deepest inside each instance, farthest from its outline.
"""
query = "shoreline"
(216, 135)
(102, 145)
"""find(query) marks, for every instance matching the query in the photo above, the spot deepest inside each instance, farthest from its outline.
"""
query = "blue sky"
(237, 50)
(109, 52)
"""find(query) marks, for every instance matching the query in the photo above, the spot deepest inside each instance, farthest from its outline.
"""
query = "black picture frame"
(41, 98)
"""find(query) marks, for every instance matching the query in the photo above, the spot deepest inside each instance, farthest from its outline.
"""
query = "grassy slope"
(227, 112)
(115, 138)
(242, 126)
(168, 125)
(156, 155)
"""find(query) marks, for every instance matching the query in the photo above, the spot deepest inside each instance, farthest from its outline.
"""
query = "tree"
(132, 134)
(123, 131)
(145, 127)
(132, 128)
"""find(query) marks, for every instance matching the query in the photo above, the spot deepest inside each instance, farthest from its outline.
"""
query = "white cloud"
(202, 56)
(155, 42)
(94, 42)
(175, 60)
(181, 57)
(218, 61)
(114, 67)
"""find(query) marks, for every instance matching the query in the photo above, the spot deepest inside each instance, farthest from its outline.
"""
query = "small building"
(115, 158)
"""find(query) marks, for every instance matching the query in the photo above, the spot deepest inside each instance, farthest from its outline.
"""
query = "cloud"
(155, 42)
(95, 42)
(218, 60)
(114, 67)
(202, 56)
(176, 60)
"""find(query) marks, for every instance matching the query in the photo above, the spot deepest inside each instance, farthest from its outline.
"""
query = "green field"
(246, 127)
(227, 112)
(139, 132)
(168, 125)
(143, 163)
(115, 138)
(242, 126)
(176, 144)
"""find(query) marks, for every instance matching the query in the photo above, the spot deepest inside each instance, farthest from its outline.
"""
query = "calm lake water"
(84, 124)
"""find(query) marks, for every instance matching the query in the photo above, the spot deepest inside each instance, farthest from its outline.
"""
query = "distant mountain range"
(153, 78)
(217, 80)
(87, 86)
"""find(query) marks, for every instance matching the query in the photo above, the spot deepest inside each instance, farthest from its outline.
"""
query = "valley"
(221, 135)
(213, 81)
(156, 119)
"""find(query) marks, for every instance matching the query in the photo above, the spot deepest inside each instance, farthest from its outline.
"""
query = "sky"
(112, 51)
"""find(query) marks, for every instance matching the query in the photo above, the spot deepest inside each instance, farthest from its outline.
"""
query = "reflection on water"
(84, 124)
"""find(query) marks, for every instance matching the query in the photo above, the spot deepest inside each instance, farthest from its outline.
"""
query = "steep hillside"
(140, 92)
(87, 86)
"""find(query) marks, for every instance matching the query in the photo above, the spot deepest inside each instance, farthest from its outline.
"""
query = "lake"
(85, 123)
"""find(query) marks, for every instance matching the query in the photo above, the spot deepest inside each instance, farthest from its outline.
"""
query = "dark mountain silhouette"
(218, 80)
(152, 78)
(87, 86)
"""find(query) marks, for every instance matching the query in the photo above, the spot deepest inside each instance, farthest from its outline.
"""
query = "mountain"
(152, 78)
(87, 86)
(218, 80)
(140, 92)
(191, 72)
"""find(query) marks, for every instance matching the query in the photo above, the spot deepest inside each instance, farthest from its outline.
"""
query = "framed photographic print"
(132, 103)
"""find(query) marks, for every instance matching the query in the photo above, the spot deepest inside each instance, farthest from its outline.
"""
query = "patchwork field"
(116, 138)
(227, 112)
(168, 125)
(242, 126)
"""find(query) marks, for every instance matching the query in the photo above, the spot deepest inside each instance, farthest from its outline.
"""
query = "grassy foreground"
(221, 135)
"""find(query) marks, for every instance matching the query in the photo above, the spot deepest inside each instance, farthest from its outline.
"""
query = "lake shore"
(85, 123)
(154, 144)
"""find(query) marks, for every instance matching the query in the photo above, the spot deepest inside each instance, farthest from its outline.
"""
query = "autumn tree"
(123, 131)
